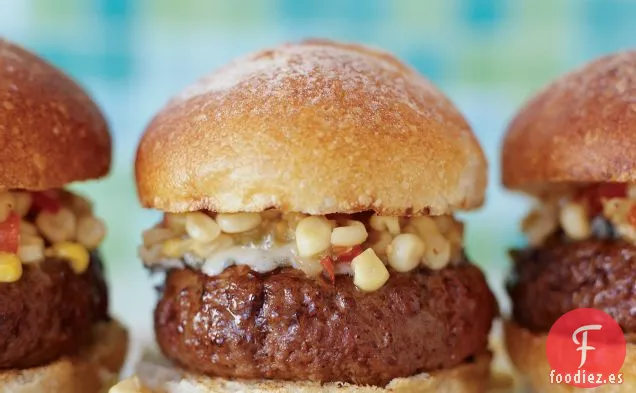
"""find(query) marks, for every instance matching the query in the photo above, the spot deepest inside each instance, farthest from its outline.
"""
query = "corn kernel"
(538, 225)
(202, 227)
(75, 253)
(405, 252)
(10, 267)
(26, 228)
(156, 235)
(203, 250)
(31, 253)
(57, 227)
(353, 234)
(293, 219)
(382, 223)
(380, 242)
(310, 266)
(574, 221)
(313, 235)
(80, 205)
(410, 228)
(456, 233)
(425, 225)
(445, 223)
(617, 210)
(238, 222)
(175, 248)
(369, 273)
(176, 222)
(31, 248)
(150, 255)
(90, 231)
(438, 251)
(23, 202)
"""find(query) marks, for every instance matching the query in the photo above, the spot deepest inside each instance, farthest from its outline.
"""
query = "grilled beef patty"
(550, 280)
(49, 312)
(285, 325)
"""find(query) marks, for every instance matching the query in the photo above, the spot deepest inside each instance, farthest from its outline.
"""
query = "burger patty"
(49, 312)
(285, 325)
(551, 280)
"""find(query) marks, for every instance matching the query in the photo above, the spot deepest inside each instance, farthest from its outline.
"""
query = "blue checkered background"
(488, 55)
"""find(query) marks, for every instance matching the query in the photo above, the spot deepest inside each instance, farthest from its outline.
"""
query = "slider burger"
(55, 331)
(308, 234)
(573, 147)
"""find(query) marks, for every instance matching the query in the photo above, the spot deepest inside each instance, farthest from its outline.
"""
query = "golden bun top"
(51, 132)
(316, 127)
(581, 128)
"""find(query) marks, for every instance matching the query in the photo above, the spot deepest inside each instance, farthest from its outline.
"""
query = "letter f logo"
(583, 344)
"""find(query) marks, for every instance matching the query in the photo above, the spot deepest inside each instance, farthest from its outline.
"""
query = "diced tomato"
(330, 269)
(10, 234)
(47, 201)
(594, 195)
(348, 255)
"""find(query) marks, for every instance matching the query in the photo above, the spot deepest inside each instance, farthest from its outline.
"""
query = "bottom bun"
(93, 370)
(157, 376)
(527, 353)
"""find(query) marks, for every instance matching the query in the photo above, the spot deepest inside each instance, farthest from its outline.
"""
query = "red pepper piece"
(10, 234)
(330, 269)
(47, 201)
(631, 216)
(349, 254)
(594, 195)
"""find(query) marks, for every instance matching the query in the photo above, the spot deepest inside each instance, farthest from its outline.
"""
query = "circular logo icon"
(585, 348)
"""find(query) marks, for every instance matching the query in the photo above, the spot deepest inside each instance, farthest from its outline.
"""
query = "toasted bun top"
(316, 127)
(581, 128)
(51, 132)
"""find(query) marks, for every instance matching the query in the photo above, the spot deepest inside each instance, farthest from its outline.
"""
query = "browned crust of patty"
(559, 277)
(527, 352)
(156, 377)
(51, 132)
(49, 312)
(286, 326)
(317, 127)
(581, 128)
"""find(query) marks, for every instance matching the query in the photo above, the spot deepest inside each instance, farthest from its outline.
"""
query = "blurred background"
(487, 55)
